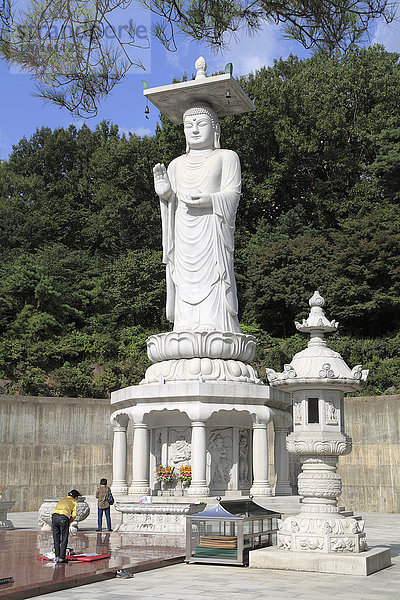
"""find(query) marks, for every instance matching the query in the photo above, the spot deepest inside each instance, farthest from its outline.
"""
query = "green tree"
(357, 267)
(308, 152)
(134, 285)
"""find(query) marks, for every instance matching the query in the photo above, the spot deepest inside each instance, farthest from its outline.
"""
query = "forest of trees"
(81, 280)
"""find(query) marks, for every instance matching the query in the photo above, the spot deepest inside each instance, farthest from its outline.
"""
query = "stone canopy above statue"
(221, 92)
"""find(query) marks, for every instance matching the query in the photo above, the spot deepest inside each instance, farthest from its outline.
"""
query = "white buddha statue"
(199, 195)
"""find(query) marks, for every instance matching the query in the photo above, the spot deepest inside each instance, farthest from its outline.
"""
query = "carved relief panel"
(179, 447)
(156, 454)
(220, 459)
(297, 413)
(331, 414)
(244, 459)
(332, 409)
(157, 447)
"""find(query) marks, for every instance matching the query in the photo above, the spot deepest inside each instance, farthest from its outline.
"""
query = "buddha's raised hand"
(162, 184)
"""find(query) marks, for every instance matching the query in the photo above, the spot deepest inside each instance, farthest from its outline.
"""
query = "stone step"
(282, 504)
(349, 513)
(286, 505)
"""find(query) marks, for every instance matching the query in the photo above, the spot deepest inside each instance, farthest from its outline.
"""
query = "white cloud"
(389, 35)
(76, 122)
(178, 58)
(140, 131)
(247, 53)
(250, 53)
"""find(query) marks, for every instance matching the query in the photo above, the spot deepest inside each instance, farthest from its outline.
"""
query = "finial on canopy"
(201, 67)
(316, 319)
(316, 300)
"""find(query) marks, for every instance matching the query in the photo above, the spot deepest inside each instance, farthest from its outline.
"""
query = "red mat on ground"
(85, 558)
(79, 557)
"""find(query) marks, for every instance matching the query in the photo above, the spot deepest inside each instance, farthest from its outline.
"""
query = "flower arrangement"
(185, 473)
(165, 473)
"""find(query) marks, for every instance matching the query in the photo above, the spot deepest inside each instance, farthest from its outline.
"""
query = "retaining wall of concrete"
(371, 472)
(50, 445)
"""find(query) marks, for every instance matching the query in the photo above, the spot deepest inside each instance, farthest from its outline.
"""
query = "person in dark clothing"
(63, 515)
(103, 505)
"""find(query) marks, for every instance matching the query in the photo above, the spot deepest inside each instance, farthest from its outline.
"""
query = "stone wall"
(50, 445)
(371, 473)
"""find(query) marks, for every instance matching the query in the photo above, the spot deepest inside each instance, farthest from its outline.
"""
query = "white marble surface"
(365, 563)
(318, 378)
(156, 518)
(218, 392)
(225, 345)
(214, 582)
(201, 414)
(201, 378)
(199, 195)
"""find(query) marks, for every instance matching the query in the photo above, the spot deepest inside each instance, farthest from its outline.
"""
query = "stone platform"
(218, 427)
(19, 551)
(363, 563)
(157, 517)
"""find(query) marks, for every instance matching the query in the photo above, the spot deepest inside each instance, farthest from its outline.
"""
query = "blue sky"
(21, 113)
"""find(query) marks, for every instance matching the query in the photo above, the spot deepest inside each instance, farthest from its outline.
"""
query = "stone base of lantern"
(364, 563)
(322, 534)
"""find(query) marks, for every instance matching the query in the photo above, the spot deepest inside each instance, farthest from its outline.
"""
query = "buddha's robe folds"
(198, 242)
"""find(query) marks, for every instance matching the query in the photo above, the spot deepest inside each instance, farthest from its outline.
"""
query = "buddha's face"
(199, 131)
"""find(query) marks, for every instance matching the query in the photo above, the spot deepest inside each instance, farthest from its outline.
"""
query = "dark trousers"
(100, 512)
(60, 527)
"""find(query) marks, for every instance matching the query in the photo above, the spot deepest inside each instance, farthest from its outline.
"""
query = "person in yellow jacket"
(63, 515)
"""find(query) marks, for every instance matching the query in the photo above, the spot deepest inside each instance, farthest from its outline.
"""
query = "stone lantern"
(317, 538)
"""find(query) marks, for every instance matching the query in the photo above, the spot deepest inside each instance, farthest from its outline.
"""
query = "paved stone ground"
(208, 582)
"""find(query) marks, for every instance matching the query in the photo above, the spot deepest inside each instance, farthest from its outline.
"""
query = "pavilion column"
(260, 485)
(141, 460)
(198, 485)
(282, 486)
(119, 484)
